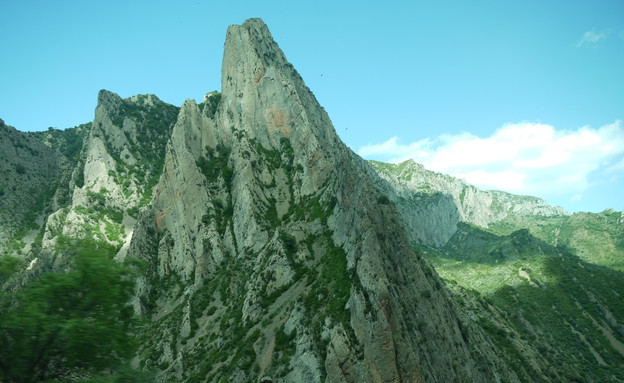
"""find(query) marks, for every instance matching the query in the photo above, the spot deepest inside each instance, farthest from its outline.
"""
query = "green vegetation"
(383, 200)
(333, 286)
(215, 165)
(67, 141)
(565, 307)
(154, 121)
(215, 104)
(20, 169)
(71, 322)
(28, 221)
(79, 181)
(99, 207)
(462, 196)
(595, 238)
(285, 344)
(8, 266)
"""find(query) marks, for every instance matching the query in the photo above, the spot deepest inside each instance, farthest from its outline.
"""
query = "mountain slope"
(567, 309)
(431, 204)
(595, 238)
(31, 172)
(531, 275)
(120, 161)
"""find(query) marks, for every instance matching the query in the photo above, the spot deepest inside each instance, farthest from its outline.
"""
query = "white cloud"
(617, 167)
(400, 151)
(523, 158)
(591, 37)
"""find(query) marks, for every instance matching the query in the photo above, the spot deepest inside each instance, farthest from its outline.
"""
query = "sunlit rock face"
(267, 237)
(431, 204)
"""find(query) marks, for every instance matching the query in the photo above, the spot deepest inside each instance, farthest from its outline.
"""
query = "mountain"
(595, 238)
(551, 279)
(272, 252)
(432, 204)
(274, 244)
(31, 171)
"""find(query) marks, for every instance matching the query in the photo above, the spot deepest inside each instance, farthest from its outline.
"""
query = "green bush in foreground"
(76, 322)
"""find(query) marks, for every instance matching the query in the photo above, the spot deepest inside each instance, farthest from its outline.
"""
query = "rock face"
(120, 162)
(281, 257)
(431, 204)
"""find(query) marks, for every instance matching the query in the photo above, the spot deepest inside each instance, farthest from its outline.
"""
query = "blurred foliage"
(75, 323)
(8, 266)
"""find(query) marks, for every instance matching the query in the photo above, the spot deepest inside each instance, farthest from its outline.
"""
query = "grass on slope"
(594, 237)
(570, 310)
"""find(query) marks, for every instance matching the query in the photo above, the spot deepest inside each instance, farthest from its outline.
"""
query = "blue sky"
(538, 84)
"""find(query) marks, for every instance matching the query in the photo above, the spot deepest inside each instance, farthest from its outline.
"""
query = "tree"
(8, 265)
(72, 322)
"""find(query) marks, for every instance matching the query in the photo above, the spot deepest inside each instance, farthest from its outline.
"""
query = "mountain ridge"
(413, 188)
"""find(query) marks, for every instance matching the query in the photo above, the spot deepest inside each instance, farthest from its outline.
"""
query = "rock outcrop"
(431, 204)
(272, 253)
(112, 179)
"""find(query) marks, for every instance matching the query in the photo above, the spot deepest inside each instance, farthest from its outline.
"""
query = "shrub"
(383, 200)
(20, 169)
(53, 324)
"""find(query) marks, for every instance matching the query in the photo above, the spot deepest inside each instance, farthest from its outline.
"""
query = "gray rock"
(274, 168)
(431, 204)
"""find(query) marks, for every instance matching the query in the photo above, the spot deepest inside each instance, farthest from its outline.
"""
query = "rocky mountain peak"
(263, 93)
(108, 100)
(267, 101)
(252, 43)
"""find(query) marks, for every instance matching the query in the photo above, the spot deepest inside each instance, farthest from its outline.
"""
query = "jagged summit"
(113, 101)
(264, 94)
(106, 97)
(264, 214)
(251, 42)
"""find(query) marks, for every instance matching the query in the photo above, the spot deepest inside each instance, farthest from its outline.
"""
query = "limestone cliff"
(431, 204)
(119, 163)
(272, 253)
